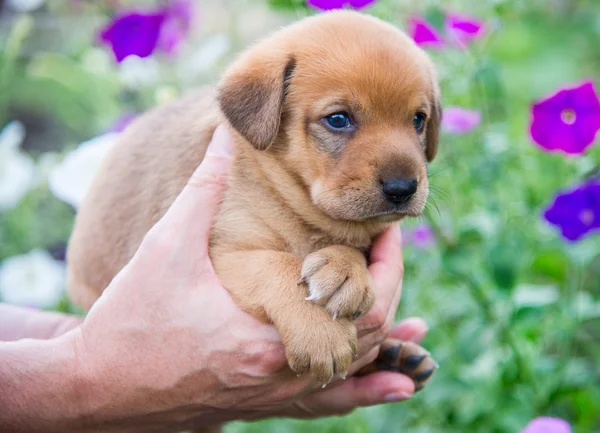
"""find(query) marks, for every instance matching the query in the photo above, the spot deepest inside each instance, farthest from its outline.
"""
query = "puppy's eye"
(419, 122)
(338, 121)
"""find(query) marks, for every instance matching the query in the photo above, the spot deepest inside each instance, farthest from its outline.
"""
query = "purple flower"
(576, 212)
(140, 34)
(422, 236)
(464, 29)
(458, 120)
(568, 120)
(424, 33)
(547, 425)
(327, 5)
(122, 122)
(133, 34)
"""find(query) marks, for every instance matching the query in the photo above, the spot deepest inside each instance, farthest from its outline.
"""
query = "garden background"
(505, 265)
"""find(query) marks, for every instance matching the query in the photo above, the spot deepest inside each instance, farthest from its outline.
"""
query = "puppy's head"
(349, 104)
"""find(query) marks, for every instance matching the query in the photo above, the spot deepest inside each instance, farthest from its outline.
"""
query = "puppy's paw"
(323, 349)
(407, 358)
(338, 279)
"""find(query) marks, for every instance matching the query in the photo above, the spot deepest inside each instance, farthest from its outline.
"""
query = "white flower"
(205, 57)
(17, 170)
(25, 5)
(135, 72)
(71, 179)
(32, 279)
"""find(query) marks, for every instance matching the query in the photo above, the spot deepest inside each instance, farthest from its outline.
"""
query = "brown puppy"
(335, 118)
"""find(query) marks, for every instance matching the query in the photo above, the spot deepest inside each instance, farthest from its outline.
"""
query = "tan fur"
(297, 191)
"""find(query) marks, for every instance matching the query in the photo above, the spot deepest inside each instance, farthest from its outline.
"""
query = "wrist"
(41, 386)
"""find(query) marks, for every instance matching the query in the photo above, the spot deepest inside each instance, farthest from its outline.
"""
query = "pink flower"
(140, 34)
(327, 5)
(568, 120)
(422, 236)
(464, 29)
(458, 120)
(547, 425)
(425, 34)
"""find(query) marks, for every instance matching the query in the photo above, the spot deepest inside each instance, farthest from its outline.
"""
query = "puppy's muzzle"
(399, 191)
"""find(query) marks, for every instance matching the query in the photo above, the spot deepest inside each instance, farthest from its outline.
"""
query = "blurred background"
(504, 265)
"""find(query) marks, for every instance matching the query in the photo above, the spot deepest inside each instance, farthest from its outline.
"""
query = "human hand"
(165, 346)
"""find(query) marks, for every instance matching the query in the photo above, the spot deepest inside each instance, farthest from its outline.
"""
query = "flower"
(122, 122)
(425, 34)
(327, 5)
(140, 34)
(568, 120)
(133, 34)
(422, 236)
(463, 29)
(32, 279)
(459, 120)
(71, 179)
(25, 5)
(17, 170)
(547, 425)
(576, 212)
(136, 72)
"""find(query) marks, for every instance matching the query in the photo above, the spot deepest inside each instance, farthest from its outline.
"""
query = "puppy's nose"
(399, 190)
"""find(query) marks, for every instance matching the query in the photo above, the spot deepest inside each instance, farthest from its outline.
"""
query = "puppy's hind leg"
(403, 357)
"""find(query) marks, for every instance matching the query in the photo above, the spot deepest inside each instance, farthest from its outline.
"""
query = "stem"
(16, 37)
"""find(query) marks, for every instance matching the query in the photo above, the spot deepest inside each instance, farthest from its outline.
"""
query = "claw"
(302, 280)
(312, 297)
(356, 315)
(343, 376)
(336, 314)
(324, 385)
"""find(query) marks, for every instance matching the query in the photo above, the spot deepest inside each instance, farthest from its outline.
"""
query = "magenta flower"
(425, 34)
(568, 120)
(576, 212)
(458, 120)
(140, 34)
(422, 236)
(122, 122)
(547, 425)
(328, 5)
(133, 34)
(464, 29)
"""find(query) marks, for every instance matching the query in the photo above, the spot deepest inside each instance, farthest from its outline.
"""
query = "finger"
(412, 329)
(375, 388)
(386, 270)
(194, 209)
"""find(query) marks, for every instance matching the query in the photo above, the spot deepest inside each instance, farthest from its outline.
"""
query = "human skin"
(165, 348)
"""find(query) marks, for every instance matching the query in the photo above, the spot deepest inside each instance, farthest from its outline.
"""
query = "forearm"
(17, 323)
(40, 386)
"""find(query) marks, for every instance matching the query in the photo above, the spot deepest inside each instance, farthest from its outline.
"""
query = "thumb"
(193, 211)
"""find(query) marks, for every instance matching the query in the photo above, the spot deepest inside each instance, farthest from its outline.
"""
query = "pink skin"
(189, 358)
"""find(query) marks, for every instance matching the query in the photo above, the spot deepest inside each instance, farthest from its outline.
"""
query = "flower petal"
(133, 34)
(424, 33)
(547, 425)
(458, 120)
(464, 29)
(326, 5)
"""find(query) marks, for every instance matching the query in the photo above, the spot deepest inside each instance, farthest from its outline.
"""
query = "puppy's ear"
(252, 96)
(433, 128)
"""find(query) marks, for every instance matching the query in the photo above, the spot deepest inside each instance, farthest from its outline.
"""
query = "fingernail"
(221, 143)
(397, 396)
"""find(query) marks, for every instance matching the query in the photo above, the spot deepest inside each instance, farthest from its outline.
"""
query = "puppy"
(334, 121)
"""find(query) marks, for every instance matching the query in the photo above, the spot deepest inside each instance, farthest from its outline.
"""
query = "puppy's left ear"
(433, 128)
(252, 94)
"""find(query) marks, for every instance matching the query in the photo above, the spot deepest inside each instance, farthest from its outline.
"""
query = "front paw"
(323, 350)
(338, 279)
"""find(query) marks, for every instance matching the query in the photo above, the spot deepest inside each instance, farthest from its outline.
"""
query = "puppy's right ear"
(252, 95)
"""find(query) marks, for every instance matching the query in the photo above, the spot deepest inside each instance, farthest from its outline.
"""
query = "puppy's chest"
(312, 241)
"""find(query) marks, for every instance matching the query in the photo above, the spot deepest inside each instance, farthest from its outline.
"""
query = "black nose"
(399, 190)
